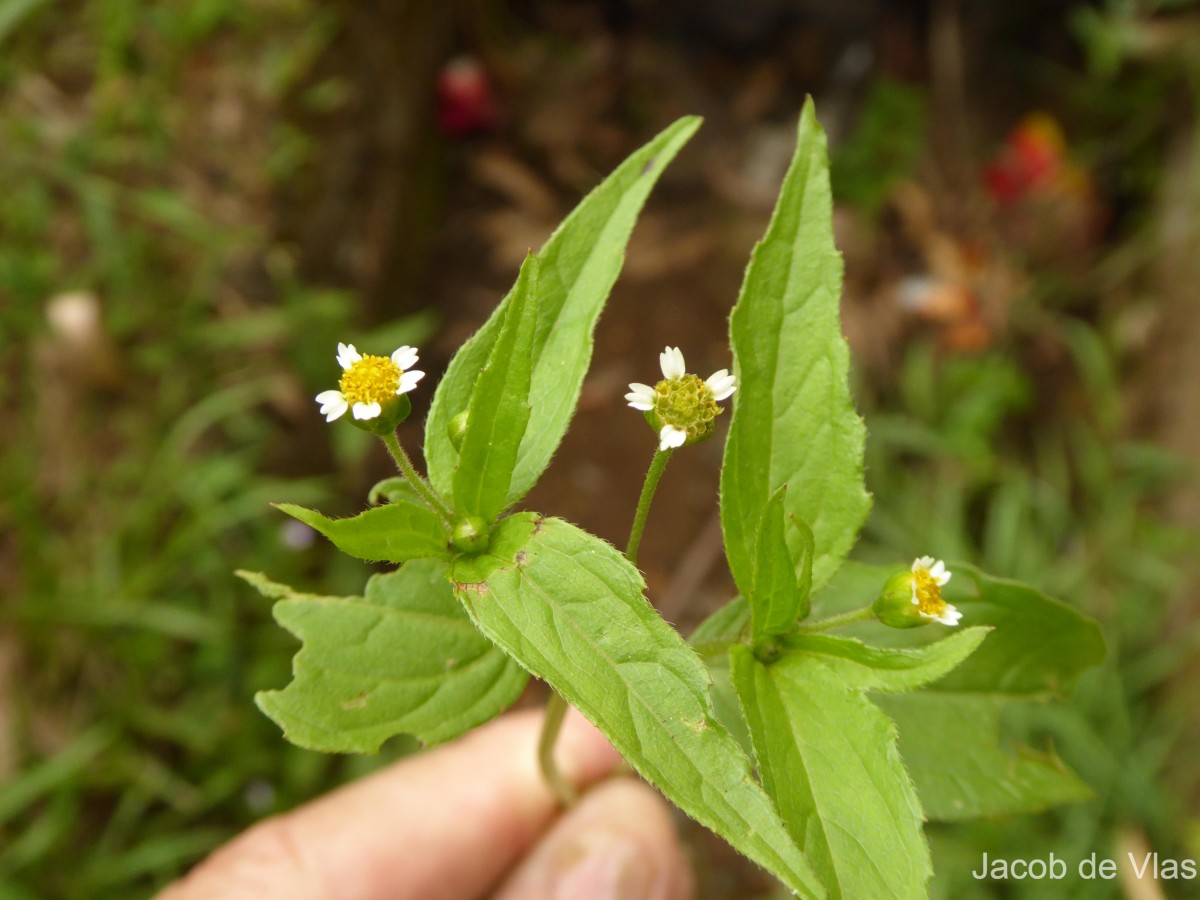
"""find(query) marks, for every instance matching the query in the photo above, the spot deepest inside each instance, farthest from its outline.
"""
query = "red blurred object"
(1033, 157)
(466, 103)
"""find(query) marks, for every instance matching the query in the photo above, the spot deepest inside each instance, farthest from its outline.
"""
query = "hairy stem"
(657, 465)
(846, 618)
(423, 488)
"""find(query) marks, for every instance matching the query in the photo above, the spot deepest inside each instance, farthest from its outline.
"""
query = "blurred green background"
(199, 198)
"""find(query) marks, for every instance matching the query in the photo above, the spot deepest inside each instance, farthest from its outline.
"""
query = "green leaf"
(950, 735)
(499, 407)
(396, 489)
(828, 758)
(887, 669)
(400, 531)
(404, 659)
(793, 422)
(577, 268)
(951, 746)
(776, 597)
(570, 609)
(1039, 645)
(722, 627)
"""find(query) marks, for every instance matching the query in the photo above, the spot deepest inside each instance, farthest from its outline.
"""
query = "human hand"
(471, 819)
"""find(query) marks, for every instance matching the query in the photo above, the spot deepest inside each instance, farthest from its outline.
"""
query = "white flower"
(721, 383)
(928, 577)
(641, 396)
(671, 363)
(368, 382)
(671, 437)
(681, 406)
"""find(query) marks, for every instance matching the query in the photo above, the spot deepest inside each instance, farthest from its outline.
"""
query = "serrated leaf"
(400, 531)
(793, 421)
(499, 407)
(828, 758)
(403, 659)
(887, 669)
(951, 746)
(777, 595)
(571, 610)
(577, 268)
(1038, 647)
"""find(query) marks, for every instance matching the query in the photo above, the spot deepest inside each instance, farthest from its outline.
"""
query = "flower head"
(370, 385)
(914, 597)
(681, 407)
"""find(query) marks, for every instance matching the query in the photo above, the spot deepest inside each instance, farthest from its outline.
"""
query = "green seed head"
(686, 403)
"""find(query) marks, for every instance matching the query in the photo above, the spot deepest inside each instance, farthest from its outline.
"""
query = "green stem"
(846, 618)
(556, 709)
(419, 484)
(657, 465)
(556, 706)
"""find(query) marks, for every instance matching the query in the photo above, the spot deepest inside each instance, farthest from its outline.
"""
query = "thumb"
(618, 843)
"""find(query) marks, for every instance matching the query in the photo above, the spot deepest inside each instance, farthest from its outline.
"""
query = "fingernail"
(603, 866)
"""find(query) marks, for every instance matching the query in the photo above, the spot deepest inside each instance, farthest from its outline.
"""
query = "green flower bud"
(470, 535)
(913, 598)
(895, 606)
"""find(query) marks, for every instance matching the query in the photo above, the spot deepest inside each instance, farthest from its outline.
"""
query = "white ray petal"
(670, 437)
(405, 357)
(721, 383)
(367, 410)
(641, 396)
(671, 361)
(347, 355)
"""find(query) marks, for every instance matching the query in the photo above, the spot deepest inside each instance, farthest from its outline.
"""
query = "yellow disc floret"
(372, 379)
(686, 403)
(928, 594)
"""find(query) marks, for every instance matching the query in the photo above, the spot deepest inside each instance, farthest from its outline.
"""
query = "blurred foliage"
(142, 145)
(155, 345)
(1022, 459)
(883, 148)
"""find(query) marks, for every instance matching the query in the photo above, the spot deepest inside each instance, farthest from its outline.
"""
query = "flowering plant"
(807, 721)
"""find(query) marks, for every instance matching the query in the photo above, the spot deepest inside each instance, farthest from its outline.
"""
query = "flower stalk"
(658, 465)
(423, 488)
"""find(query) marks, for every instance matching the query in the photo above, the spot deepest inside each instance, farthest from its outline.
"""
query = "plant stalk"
(556, 709)
(657, 466)
(423, 488)
(846, 618)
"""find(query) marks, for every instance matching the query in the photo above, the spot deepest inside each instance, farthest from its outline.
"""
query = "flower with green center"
(370, 385)
(681, 407)
(913, 598)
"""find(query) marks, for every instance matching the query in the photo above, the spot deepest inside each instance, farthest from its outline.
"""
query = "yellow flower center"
(373, 379)
(687, 403)
(928, 594)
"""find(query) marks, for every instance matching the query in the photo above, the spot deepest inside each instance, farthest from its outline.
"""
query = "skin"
(471, 819)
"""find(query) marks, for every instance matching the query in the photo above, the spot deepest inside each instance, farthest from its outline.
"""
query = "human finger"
(443, 824)
(619, 843)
